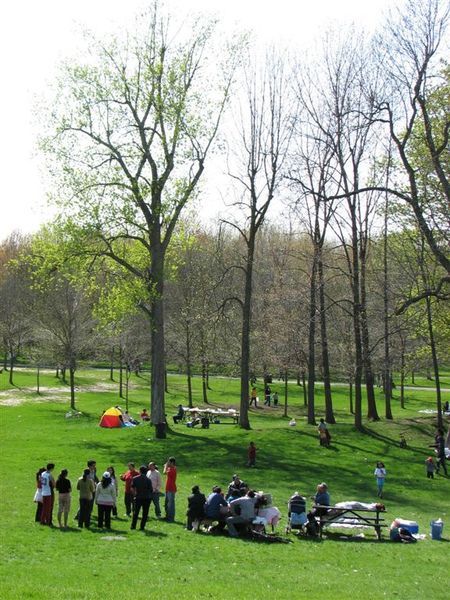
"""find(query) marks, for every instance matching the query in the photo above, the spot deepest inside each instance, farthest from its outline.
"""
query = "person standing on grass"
(155, 477)
(324, 434)
(196, 508)
(440, 449)
(112, 472)
(86, 487)
(251, 454)
(170, 471)
(253, 396)
(127, 477)
(64, 488)
(142, 488)
(47, 488)
(38, 496)
(430, 467)
(105, 497)
(380, 474)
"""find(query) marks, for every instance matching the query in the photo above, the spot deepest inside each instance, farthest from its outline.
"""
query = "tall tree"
(131, 129)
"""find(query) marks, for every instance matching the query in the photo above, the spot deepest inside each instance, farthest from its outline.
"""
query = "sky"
(36, 36)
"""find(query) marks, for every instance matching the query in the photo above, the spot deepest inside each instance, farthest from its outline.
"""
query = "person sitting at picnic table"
(216, 508)
(322, 497)
(246, 507)
(236, 487)
(144, 415)
(180, 414)
(196, 507)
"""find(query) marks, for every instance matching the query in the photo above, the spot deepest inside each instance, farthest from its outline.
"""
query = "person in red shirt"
(251, 453)
(128, 478)
(170, 471)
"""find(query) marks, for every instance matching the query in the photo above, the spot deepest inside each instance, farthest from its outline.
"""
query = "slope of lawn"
(166, 560)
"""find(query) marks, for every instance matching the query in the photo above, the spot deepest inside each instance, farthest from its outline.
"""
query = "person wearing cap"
(142, 489)
(105, 498)
(155, 477)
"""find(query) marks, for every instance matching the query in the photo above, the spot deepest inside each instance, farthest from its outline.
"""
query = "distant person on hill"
(144, 415)
(380, 474)
(127, 477)
(440, 450)
(180, 414)
(86, 487)
(324, 434)
(64, 488)
(38, 495)
(170, 471)
(47, 488)
(251, 455)
(105, 498)
(253, 396)
(196, 507)
(430, 467)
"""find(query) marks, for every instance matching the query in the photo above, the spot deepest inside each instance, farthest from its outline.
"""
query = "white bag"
(38, 495)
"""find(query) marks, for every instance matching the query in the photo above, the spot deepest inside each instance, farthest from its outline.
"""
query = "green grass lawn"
(166, 560)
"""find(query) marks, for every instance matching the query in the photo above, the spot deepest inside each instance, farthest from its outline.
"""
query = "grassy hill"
(166, 560)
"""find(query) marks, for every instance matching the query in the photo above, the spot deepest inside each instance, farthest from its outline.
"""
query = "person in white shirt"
(47, 488)
(155, 477)
(380, 474)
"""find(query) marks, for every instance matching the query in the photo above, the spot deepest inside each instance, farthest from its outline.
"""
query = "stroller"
(296, 513)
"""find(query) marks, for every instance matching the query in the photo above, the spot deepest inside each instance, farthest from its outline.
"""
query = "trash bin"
(436, 529)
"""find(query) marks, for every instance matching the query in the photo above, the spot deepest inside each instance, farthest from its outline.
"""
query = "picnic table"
(214, 415)
(350, 517)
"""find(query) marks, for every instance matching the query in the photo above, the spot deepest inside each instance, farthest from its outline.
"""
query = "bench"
(350, 516)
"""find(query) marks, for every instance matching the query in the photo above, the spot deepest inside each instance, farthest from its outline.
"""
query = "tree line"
(333, 257)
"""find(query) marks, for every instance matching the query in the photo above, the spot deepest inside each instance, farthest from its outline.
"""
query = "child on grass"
(380, 474)
(251, 453)
(430, 467)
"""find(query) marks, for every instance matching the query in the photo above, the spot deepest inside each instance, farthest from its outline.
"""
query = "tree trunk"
(387, 358)
(38, 373)
(111, 368)
(372, 412)
(157, 339)
(11, 368)
(166, 383)
(204, 383)
(72, 387)
(350, 386)
(356, 324)
(285, 414)
(402, 378)
(298, 379)
(63, 374)
(312, 342)
(329, 414)
(5, 361)
(120, 372)
(435, 364)
(246, 323)
(188, 365)
(412, 377)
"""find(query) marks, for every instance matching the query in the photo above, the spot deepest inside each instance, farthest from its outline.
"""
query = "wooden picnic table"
(213, 414)
(350, 516)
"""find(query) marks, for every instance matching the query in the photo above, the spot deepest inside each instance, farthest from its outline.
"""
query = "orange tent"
(111, 418)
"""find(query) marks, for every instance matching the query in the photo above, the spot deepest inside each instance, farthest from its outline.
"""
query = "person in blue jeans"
(170, 471)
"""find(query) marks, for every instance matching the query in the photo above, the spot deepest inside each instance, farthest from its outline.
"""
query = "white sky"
(36, 34)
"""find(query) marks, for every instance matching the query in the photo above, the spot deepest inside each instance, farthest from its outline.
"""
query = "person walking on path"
(170, 471)
(380, 474)
(142, 488)
(128, 496)
(86, 487)
(267, 393)
(47, 488)
(155, 477)
(253, 396)
(64, 488)
(105, 497)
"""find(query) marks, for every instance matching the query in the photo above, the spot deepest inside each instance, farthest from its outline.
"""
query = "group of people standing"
(142, 487)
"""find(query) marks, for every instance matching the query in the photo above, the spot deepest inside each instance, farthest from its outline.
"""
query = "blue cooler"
(411, 526)
(436, 529)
